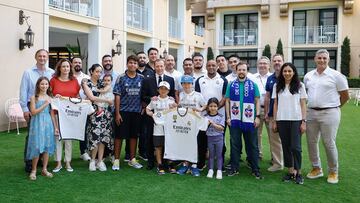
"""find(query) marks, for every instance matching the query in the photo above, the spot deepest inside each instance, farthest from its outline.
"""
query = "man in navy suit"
(149, 90)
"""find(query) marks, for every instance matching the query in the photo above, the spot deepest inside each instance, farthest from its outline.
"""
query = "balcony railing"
(240, 37)
(81, 7)
(199, 31)
(315, 34)
(137, 16)
(174, 27)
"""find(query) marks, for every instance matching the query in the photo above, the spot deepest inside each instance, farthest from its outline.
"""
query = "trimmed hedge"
(354, 82)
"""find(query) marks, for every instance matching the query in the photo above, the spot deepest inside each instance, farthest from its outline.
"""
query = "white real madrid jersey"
(181, 128)
(72, 118)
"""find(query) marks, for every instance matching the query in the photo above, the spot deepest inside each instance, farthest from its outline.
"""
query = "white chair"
(14, 113)
(357, 98)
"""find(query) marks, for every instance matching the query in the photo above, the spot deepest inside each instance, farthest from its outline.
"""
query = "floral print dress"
(99, 125)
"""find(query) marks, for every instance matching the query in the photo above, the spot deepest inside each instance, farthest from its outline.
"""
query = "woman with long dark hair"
(99, 125)
(289, 96)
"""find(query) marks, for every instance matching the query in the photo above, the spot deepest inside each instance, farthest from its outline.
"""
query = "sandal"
(46, 173)
(32, 175)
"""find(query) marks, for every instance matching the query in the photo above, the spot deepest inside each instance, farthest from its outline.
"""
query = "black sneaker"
(288, 177)
(143, 157)
(257, 175)
(299, 179)
(232, 172)
(228, 166)
(160, 170)
(127, 158)
(171, 168)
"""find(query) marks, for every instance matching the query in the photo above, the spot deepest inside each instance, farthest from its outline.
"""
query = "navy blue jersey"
(129, 90)
(271, 81)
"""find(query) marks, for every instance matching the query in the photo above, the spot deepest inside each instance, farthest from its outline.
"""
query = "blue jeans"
(251, 148)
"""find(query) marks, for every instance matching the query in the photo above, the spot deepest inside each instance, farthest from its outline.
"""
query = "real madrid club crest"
(217, 82)
(235, 109)
(158, 114)
(248, 112)
(174, 118)
(139, 84)
(189, 123)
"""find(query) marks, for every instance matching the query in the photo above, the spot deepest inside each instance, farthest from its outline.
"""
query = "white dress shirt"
(261, 83)
(323, 89)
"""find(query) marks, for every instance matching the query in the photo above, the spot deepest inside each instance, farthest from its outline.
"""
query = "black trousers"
(202, 148)
(142, 137)
(83, 145)
(149, 122)
(289, 132)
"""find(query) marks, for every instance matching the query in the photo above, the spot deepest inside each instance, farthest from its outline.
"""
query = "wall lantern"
(117, 51)
(29, 34)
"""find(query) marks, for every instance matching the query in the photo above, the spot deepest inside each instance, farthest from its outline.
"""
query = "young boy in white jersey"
(193, 100)
(159, 104)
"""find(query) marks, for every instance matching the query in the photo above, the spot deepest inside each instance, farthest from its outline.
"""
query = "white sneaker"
(92, 165)
(219, 174)
(116, 165)
(85, 157)
(210, 173)
(101, 166)
(135, 164)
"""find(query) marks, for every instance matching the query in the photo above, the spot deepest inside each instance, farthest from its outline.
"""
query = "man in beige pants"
(327, 91)
(260, 78)
(274, 139)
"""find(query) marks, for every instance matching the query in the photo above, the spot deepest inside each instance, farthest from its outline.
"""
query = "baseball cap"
(164, 84)
(187, 79)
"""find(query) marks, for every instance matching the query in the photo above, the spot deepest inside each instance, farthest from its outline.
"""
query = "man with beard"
(222, 63)
(147, 72)
(171, 71)
(107, 64)
(210, 85)
(143, 69)
(242, 113)
(153, 54)
(198, 61)
(188, 70)
(233, 61)
(274, 138)
(76, 64)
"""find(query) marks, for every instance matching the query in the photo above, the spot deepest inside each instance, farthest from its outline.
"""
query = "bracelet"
(303, 120)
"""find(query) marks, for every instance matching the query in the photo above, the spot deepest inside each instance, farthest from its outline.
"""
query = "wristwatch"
(257, 116)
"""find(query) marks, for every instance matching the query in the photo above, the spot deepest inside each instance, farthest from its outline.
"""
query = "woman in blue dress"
(41, 130)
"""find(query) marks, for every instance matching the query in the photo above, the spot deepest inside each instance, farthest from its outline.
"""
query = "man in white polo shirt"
(260, 78)
(210, 85)
(327, 92)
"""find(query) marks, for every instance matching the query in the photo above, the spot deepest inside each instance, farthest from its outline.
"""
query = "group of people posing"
(127, 106)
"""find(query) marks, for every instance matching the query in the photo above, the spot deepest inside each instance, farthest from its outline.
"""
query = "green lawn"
(130, 185)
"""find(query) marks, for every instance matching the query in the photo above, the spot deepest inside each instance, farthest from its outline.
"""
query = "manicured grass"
(130, 185)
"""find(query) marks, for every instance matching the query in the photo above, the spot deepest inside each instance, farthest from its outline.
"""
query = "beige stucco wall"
(351, 28)
(14, 61)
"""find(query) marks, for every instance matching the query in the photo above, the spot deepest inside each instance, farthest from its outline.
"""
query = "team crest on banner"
(248, 112)
(235, 109)
(174, 118)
